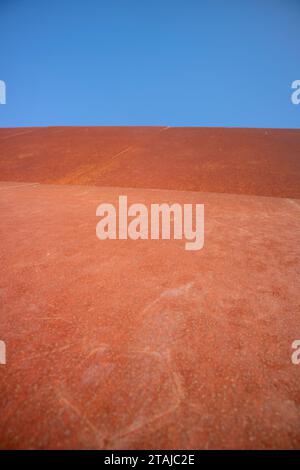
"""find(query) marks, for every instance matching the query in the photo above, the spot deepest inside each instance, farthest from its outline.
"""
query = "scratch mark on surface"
(19, 186)
(82, 416)
(121, 152)
(17, 134)
(47, 353)
(136, 427)
(174, 292)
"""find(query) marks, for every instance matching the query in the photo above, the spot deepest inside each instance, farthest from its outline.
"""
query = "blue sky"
(156, 62)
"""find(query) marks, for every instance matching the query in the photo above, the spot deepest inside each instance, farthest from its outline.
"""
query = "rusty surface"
(141, 344)
(261, 162)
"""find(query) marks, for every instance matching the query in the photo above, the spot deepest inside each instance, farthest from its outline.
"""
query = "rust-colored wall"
(263, 162)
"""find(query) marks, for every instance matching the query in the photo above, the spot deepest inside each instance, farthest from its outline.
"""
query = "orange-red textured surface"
(141, 344)
(261, 162)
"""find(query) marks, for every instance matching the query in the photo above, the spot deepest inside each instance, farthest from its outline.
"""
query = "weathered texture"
(261, 162)
(141, 344)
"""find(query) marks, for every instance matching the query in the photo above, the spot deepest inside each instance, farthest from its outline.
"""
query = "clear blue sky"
(150, 62)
